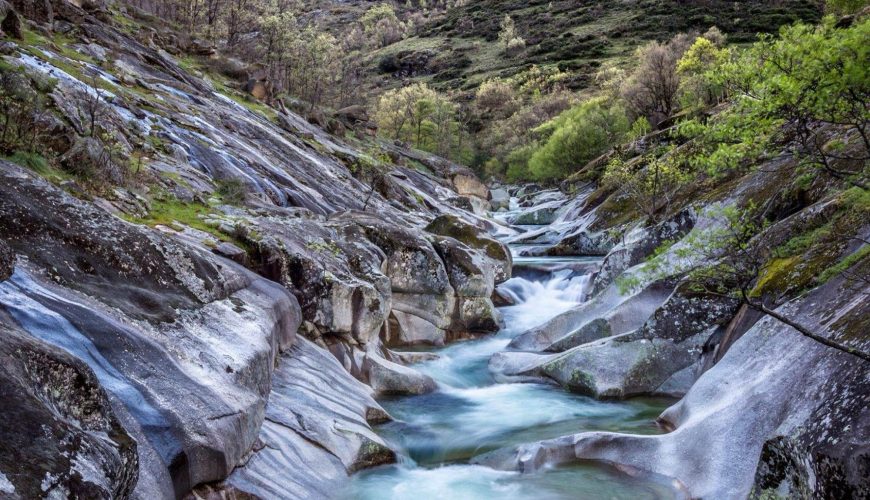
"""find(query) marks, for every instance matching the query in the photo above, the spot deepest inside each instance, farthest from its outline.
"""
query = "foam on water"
(471, 414)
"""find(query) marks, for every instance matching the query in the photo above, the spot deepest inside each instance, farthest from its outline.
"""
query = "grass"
(171, 211)
(167, 212)
(802, 242)
(845, 264)
(38, 164)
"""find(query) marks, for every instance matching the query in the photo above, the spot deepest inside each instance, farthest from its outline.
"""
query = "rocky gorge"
(163, 352)
(269, 310)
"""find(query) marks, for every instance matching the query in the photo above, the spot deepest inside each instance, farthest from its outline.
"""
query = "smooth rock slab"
(316, 430)
(780, 413)
(61, 438)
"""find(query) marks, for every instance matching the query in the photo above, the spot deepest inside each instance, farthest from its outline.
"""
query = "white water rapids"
(471, 413)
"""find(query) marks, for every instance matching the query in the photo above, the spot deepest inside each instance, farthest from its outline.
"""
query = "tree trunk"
(805, 332)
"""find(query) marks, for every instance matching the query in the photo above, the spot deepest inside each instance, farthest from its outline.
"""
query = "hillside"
(460, 50)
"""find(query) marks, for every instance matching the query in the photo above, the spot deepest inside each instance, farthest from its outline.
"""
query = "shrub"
(577, 136)
(651, 91)
(232, 191)
(496, 98)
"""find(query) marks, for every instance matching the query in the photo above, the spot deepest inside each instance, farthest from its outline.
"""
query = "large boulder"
(474, 237)
(12, 24)
(156, 320)
(313, 400)
(472, 276)
(583, 242)
(537, 216)
(642, 346)
(40, 11)
(332, 269)
(423, 299)
(466, 184)
(353, 115)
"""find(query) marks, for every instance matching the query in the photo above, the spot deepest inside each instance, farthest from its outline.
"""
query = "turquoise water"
(471, 414)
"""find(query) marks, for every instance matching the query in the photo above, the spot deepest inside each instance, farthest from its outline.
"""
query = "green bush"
(577, 136)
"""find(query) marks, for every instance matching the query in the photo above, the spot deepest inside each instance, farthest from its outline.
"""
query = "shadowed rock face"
(190, 391)
(7, 261)
(60, 435)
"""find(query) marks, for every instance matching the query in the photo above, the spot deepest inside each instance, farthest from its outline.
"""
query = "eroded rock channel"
(474, 412)
(268, 310)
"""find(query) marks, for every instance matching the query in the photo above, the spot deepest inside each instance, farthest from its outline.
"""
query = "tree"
(22, 109)
(696, 89)
(577, 136)
(508, 37)
(91, 106)
(810, 88)
(419, 115)
(317, 62)
(278, 36)
(652, 89)
(240, 19)
(382, 25)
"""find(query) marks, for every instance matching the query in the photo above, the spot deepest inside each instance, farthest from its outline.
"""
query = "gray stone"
(806, 444)
(7, 261)
(231, 252)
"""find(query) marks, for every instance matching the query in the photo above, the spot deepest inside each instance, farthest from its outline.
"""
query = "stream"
(471, 413)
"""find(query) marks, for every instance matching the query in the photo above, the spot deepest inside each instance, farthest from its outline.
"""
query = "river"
(472, 413)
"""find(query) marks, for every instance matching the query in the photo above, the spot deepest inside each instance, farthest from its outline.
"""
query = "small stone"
(8, 48)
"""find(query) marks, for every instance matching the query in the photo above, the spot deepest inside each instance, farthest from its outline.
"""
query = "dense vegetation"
(539, 58)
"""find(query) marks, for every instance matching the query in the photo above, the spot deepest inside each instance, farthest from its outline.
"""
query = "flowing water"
(471, 413)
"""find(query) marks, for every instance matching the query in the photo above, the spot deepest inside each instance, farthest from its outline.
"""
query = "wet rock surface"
(813, 445)
(60, 434)
(313, 400)
(190, 327)
(226, 327)
(740, 430)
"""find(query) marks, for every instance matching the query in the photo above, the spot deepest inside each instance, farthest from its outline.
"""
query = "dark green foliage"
(571, 34)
